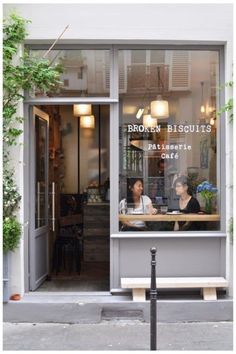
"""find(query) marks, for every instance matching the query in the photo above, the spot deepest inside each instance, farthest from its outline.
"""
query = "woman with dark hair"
(136, 203)
(187, 204)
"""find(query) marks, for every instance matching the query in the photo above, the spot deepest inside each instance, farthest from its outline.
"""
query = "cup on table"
(163, 209)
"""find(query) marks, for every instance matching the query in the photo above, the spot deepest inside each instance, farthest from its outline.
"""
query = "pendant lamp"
(82, 110)
(149, 121)
(212, 121)
(202, 105)
(159, 108)
(87, 121)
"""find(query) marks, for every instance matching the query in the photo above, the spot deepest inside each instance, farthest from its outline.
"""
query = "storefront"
(130, 176)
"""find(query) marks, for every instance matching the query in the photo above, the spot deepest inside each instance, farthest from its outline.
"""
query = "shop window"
(86, 73)
(168, 159)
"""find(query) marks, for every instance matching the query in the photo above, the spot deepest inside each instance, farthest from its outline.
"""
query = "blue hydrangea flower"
(206, 189)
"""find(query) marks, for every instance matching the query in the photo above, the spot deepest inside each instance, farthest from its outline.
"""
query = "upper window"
(85, 72)
(168, 139)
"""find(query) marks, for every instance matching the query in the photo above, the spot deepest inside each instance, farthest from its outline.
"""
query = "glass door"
(39, 227)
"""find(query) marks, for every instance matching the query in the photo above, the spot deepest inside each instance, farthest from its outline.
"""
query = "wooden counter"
(168, 217)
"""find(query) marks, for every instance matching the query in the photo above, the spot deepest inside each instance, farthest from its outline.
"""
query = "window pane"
(168, 155)
(157, 56)
(41, 172)
(85, 72)
(138, 56)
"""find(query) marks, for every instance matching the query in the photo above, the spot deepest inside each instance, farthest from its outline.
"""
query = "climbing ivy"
(20, 72)
(228, 106)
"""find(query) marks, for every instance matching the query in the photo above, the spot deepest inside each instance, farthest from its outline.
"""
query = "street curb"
(82, 312)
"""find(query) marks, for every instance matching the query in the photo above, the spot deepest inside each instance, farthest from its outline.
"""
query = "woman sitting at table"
(187, 204)
(136, 203)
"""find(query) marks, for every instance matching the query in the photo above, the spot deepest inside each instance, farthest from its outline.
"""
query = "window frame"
(113, 100)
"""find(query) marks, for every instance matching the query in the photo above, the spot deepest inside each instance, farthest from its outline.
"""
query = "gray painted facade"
(188, 254)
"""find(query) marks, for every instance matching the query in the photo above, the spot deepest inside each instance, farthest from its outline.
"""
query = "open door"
(39, 228)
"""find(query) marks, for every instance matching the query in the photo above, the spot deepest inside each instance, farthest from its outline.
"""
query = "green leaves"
(19, 74)
(11, 234)
(23, 74)
(229, 106)
(14, 33)
(11, 196)
(42, 76)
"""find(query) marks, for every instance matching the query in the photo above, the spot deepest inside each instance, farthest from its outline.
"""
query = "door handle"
(53, 206)
(38, 204)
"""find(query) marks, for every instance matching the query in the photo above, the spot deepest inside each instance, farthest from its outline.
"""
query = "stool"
(66, 253)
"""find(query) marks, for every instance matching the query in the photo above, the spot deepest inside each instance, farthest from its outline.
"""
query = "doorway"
(70, 208)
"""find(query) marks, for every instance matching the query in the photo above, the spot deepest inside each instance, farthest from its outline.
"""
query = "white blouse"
(143, 208)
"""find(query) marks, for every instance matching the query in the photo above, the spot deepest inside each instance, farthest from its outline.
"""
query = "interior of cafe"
(169, 129)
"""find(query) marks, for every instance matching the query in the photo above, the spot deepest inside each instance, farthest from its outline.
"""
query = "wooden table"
(168, 217)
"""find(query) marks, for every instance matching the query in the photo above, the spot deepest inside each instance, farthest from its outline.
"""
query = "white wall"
(152, 22)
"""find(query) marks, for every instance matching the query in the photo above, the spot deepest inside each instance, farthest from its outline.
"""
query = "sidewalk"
(117, 335)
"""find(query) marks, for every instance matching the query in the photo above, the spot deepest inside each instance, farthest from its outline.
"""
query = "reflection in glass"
(182, 144)
(41, 172)
(85, 72)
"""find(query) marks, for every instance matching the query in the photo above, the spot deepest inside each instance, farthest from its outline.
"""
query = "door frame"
(27, 194)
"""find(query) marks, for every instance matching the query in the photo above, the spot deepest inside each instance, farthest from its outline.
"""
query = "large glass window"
(168, 139)
(85, 72)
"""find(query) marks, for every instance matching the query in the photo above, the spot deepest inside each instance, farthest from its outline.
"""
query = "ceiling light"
(139, 113)
(159, 108)
(149, 121)
(212, 121)
(202, 105)
(87, 122)
(82, 110)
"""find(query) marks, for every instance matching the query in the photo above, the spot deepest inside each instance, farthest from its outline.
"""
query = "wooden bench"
(208, 285)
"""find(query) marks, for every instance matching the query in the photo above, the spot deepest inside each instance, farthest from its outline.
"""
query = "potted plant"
(11, 226)
(11, 238)
(11, 234)
(207, 192)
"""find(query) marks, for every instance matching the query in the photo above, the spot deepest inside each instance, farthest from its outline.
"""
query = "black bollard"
(153, 302)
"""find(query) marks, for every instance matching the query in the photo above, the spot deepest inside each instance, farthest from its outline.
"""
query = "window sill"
(193, 234)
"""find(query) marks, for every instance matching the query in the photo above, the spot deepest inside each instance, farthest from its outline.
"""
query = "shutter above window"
(179, 75)
(122, 73)
(107, 71)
